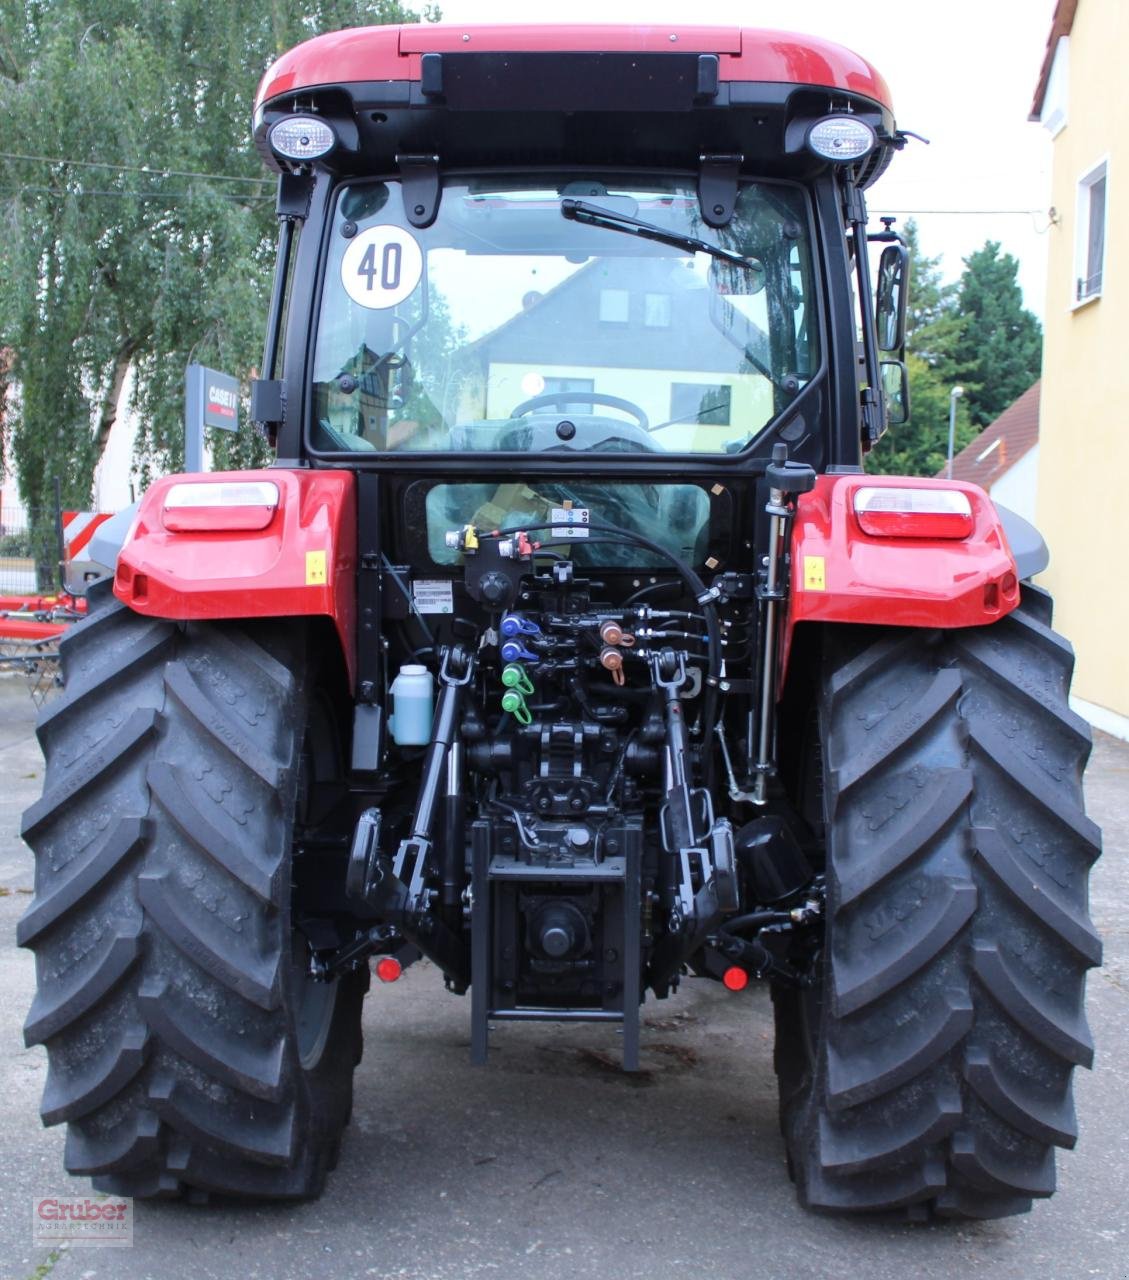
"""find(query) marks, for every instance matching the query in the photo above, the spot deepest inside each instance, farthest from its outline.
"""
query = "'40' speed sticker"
(381, 267)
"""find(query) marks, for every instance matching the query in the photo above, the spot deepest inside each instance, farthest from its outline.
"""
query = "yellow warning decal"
(315, 569)
(815, 576)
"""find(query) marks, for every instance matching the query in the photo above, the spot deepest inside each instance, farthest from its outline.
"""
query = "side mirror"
(892, 297)
(895, 391)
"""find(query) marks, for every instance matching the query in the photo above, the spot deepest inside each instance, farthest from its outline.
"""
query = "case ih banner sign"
(211, 399)
(219, 398)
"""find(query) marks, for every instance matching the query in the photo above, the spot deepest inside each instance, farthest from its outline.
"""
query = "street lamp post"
(954, 395)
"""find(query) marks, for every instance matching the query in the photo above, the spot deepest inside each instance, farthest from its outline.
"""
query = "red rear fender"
(301, 563)
(839, 573)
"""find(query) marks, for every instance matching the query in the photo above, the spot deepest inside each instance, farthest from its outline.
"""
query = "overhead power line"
(1017, 213)
(154, 171)
(157, 171)
(63, 193)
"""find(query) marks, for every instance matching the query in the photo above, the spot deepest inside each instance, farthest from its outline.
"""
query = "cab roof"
(745, 54)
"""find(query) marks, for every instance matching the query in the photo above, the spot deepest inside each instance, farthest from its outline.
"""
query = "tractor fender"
(302, 563)
(1031, 553)
(839, 573)
(106, 544)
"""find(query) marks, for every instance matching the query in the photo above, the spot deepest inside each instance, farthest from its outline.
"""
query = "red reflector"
(388, 968)
(200, 505)
(894, 511)
(735, 978)
(915, 524)
(202, 519)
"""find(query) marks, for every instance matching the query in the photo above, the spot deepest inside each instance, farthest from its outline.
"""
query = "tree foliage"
(919, 447)
(137, 220)
(1000, 346)
(974, 334)
(933, 322)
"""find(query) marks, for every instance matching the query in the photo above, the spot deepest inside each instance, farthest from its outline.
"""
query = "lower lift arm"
(396, 886)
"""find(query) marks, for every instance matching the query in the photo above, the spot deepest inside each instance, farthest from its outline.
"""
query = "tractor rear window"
(536, 318)
(676, 516)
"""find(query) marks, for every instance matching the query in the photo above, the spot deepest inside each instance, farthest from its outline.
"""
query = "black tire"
(930, 1071)
(187, 1051)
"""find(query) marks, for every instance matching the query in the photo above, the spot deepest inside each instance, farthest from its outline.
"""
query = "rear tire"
(929, 1072)
(188, 1052)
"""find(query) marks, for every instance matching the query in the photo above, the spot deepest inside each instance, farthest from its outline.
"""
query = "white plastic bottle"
(413, 705)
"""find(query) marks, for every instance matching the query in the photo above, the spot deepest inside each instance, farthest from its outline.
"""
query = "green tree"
(137, 220)
(999, 350)
(919, 447)
(933, 322)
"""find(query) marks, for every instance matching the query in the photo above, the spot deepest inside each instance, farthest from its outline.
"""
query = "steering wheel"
(551, 398)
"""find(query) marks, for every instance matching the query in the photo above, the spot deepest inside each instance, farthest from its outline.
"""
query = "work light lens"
(841, 138)
(302, 138)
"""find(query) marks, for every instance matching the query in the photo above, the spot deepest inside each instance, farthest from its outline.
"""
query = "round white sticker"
(381, 267)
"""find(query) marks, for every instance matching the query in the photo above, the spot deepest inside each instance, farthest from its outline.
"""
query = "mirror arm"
(873, 409)
(887, 235)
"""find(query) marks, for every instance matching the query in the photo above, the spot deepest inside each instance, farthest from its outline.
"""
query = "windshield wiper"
(593, 216)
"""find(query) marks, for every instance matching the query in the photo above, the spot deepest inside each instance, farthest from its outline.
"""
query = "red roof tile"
(1061, 25)
(1001, 444)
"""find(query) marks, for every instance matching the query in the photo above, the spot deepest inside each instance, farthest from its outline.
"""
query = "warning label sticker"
(815, 573)
(315, 569)
(433, 595)
(575, 518)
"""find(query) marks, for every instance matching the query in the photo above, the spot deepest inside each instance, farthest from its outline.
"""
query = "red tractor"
(567, 645)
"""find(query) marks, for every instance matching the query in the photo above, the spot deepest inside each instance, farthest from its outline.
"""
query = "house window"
(614, 306)
(656, 310)
(554, 385)
(698, 402)
(1090, 234)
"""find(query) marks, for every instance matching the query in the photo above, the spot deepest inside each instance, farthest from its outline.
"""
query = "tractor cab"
(550, 241)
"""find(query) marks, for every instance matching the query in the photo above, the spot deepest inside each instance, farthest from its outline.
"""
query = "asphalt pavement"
(549, 1163)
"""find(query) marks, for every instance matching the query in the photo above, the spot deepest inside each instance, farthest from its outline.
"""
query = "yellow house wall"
(1083, 503)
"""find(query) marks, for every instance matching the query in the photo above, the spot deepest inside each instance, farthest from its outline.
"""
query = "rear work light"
(841, 138)
(302, 138)
(222, 504)
(888, 512)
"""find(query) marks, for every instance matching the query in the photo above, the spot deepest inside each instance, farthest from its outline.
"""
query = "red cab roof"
(366, 54)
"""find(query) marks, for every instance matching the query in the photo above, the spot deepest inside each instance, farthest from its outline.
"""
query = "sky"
(962, 73)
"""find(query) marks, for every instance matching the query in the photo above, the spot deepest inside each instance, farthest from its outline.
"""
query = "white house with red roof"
(1004, 457)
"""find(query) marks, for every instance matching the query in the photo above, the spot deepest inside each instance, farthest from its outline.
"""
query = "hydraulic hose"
(755, 920)
(696, 587)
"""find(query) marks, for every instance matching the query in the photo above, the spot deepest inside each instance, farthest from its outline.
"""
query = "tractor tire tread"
(951, 1005)
(161, 916)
